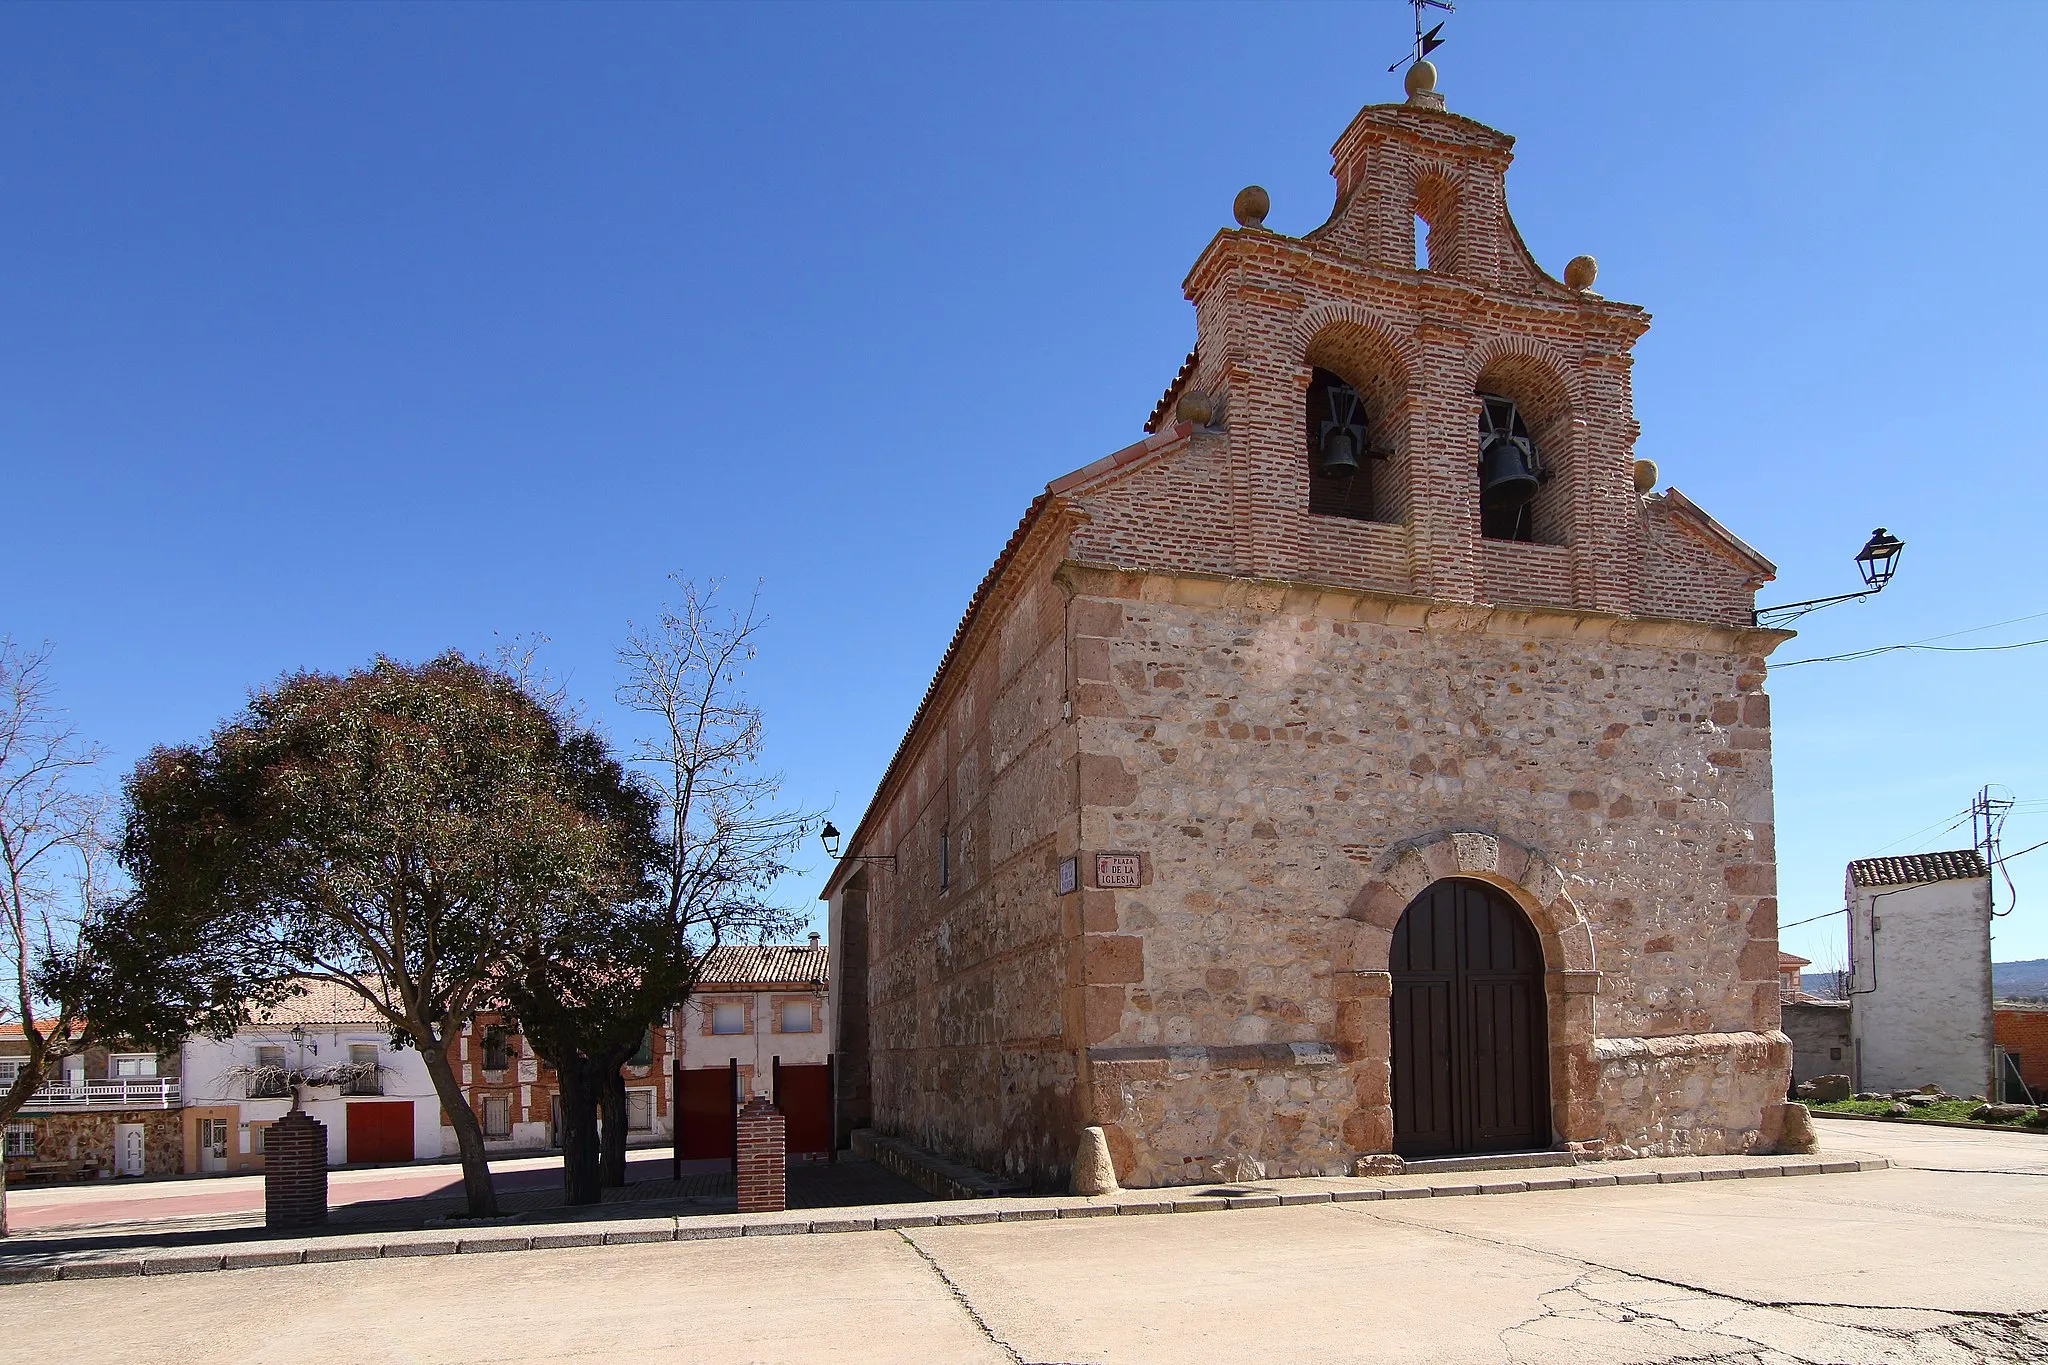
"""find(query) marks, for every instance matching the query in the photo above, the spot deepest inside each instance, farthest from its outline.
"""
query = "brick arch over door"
(1571, 970)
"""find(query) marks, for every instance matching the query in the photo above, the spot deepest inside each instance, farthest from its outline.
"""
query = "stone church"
(1366, 761)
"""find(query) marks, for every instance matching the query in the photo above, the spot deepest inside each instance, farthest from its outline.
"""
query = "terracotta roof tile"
(1957, 865)
(765, 964)
(323, 1002)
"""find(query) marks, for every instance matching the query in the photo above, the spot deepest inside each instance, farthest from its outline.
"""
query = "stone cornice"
(1331, 602)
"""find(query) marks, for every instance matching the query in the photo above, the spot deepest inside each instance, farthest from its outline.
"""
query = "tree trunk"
(3, 1198)
(26, 1083)
(612, 1104)
(580, 1082)
(469, 1133)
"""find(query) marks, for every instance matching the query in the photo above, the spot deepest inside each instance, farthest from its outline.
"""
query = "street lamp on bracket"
(1877, 561)
(830, 837)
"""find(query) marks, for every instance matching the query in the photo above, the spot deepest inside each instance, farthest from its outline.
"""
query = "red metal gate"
(804, 1095)
(380, 1130)
(704, 1114)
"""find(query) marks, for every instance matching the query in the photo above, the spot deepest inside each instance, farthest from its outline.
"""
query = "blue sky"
(333, 330)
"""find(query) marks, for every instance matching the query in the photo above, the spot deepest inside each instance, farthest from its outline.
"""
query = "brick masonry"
(763, 1158)
(295, 1172)
(1299, 722)
(2023, 1030)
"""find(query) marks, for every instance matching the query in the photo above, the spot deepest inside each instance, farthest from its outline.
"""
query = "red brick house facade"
(514, 1093)
(1252, 793)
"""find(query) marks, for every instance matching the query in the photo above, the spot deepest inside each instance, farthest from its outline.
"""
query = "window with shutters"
(497, 1116)
(728, 1016)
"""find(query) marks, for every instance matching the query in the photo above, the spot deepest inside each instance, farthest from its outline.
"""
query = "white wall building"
(754, 1003)
(1920, 971)
(394, 1117)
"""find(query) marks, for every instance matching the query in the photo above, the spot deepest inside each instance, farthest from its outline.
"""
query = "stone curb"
(1933, 1123)
(972, 1213)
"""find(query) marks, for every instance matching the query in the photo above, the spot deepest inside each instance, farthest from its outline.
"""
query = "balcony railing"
(126, 1092)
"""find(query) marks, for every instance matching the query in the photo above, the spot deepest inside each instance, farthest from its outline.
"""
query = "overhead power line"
(1927, 649)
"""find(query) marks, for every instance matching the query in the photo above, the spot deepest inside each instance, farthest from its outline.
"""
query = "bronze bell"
(1506, 481)
(1340, 452)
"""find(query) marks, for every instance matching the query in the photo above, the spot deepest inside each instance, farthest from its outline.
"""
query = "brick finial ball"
(1646, 476)
(1421, 78)
(1580, 272)
(1251, 206)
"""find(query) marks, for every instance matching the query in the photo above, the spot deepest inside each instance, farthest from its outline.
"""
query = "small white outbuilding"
(1920, 971)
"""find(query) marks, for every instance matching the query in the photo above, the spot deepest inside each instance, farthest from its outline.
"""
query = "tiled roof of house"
(1786, 959)
(1957, 865)
(323, 1002)
(754, 964)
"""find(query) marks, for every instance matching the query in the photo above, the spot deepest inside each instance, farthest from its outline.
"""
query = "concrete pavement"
(1934, 1260)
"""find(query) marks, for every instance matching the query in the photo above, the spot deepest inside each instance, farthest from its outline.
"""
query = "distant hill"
(2009, 980)
(2017, 980)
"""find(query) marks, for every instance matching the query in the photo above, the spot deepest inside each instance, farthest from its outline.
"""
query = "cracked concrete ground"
(1936, 1260)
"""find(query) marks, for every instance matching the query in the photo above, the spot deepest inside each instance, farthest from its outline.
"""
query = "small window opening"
(1340, 484)
(1421, 242)
(1510, 472)
(494, 1049)
(945, 859)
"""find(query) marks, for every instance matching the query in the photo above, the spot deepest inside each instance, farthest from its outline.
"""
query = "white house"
(235, 1089)
(1920, 971)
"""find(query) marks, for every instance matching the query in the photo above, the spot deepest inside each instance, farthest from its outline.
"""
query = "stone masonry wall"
(1274, 746)
(968, 1048)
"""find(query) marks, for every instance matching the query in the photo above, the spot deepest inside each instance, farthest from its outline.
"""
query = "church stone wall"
(1280, 743)
(967, 996)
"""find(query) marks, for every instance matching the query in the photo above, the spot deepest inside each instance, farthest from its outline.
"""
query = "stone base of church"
(1203, 1115)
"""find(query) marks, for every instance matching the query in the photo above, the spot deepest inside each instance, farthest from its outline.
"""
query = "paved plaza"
(1936, 1259)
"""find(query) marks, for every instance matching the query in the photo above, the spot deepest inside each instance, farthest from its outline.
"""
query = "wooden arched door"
(1470, 1054)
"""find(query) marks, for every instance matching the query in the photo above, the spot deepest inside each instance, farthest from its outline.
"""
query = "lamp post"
(829, 836)
(1876, 562)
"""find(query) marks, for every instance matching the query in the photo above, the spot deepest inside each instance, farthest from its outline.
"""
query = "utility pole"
(1987, 822)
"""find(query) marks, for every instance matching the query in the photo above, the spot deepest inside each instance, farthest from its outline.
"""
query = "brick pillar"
(295, 1172)
(761, 1161)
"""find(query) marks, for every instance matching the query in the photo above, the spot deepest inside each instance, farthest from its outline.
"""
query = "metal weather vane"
(1425, 43)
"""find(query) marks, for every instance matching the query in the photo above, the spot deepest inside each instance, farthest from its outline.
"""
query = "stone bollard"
(295, 1172)
(1094, 1171)
(762, 1165)
(1796, 1134)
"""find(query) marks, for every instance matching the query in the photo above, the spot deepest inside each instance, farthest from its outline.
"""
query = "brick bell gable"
(1232, 496)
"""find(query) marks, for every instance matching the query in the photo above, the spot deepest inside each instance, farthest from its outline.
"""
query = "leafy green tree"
(396, 832)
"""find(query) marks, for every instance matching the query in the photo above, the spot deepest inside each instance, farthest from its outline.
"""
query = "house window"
(256, 1135)
(21, 1140)
(362, 1061)
(1510, 471)
(644, 1054)
(639, 1111)
(729, 1017)
(131, 1064)
(10, 1070)
(269, 1080)
(796, 1016)
(497, 1116)
(494, 1049)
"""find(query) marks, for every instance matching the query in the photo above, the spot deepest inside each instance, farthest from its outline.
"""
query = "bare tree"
(51, 856)
(726, 836)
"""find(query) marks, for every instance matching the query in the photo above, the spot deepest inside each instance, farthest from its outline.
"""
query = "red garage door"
(380, 1130)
